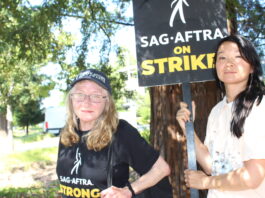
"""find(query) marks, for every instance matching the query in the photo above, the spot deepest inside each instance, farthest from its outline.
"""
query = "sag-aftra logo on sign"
(175, 40)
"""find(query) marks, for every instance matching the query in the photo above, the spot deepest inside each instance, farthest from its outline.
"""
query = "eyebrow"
(220, 52)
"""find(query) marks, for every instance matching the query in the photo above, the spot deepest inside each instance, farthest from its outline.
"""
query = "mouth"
(230, 72)
(86, 111)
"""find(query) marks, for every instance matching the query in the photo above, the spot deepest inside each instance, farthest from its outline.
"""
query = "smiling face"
(86, 110)
(231, 67)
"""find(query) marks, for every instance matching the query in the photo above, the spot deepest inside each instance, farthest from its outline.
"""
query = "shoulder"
(216, 109)
(133, 149)
(258, 111)
(127, 135)
(124, 128)
(255, 121)
(124, 124)
(254, 133)
(261, 104)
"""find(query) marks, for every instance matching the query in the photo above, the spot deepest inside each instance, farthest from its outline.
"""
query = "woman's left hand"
(115, 192)
(196, 179)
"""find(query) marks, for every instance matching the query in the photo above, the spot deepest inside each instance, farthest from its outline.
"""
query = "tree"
(28, 114)
(143, 112)
(99, 22)
(247, 18)
(27, 43)
(166, 134)
(19, 85)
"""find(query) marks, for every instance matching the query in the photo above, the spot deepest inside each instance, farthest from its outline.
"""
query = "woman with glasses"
(96, 148)
(233, 153)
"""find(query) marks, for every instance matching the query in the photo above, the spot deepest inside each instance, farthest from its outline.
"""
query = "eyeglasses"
(94, 98)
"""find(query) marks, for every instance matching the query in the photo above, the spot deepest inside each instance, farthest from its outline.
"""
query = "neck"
(232, 91)
(85, 126)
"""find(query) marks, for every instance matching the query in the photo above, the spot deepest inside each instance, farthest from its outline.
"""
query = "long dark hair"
(255, 89)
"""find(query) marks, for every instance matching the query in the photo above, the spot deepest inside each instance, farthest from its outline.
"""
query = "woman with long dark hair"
(233, 153)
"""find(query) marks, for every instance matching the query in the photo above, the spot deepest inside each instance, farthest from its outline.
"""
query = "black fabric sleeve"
(134, 149)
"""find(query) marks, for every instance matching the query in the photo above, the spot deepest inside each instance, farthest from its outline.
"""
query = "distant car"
(55, 118)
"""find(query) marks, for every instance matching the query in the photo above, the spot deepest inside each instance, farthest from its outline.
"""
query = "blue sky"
(125, 37)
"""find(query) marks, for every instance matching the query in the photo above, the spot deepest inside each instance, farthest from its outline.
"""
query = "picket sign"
(175, 43)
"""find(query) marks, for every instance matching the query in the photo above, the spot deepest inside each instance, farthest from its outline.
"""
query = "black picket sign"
(176, 39)
(175, 43)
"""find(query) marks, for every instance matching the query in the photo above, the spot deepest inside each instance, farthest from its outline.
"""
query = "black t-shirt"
(83, 172)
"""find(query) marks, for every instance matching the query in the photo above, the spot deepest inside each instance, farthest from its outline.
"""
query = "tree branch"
(99, 20)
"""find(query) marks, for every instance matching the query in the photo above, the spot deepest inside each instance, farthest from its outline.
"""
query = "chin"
(86, 120)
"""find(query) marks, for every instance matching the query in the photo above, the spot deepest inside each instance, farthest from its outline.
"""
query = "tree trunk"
(231, 6)
(165, 132)
(27, 129)
(3, 133)
(9, 117)
(3, 126)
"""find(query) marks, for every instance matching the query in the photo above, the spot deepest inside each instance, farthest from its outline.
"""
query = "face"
(231, 68)
(90, 106)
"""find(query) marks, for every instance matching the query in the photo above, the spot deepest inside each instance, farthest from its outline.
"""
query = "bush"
(146, 135)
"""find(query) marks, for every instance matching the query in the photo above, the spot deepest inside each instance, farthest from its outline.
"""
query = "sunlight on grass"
(33, 154)
(37, 191)
(32, 137)
(26, 158)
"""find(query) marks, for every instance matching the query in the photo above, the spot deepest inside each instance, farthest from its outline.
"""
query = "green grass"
(35, 134)
(27, 158)
(32, 137)
(19, 131)
(50, 191)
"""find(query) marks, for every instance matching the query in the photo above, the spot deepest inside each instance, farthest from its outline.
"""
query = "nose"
(230, 61)
(87, 99)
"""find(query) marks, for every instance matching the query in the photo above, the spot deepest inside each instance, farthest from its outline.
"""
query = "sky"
(125, 37)
(56, 97)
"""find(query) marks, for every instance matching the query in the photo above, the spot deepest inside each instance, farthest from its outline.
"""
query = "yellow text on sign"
(182, 49)
(184, 63)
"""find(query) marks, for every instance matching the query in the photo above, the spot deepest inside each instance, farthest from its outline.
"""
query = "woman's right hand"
(116, 192)
(183, 115)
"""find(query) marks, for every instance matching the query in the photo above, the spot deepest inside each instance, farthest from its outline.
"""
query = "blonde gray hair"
(100, 135)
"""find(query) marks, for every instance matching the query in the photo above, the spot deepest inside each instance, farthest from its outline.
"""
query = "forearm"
(250, 176)
(232, 181)
(159, 170)
(202, 155)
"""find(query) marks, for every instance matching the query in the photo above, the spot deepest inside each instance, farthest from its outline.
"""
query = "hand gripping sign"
(175, 41)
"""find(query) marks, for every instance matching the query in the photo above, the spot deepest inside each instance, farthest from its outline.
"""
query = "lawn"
(32, 156)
